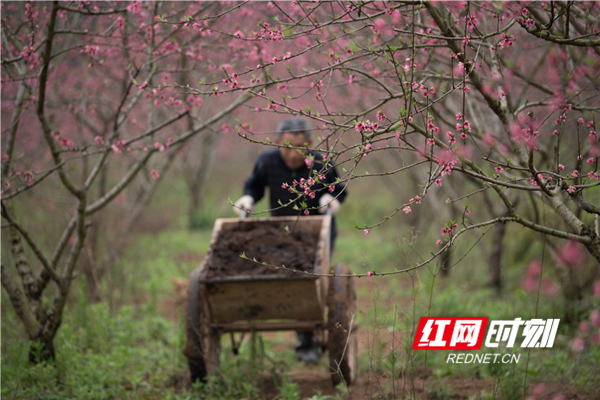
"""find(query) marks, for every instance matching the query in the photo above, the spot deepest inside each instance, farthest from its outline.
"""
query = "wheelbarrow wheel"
(341, 342)
(203, 343)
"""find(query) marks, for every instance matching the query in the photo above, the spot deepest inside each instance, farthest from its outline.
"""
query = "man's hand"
(245, 203)
(328, 202)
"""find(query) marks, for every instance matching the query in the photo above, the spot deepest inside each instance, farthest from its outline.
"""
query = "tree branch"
(42, 100)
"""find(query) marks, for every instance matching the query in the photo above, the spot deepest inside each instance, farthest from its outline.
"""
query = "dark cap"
(294, 126)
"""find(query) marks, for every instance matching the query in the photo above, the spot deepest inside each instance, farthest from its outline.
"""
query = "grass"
(130, 350)
(135, 354)
(126, 348)
(100, 356)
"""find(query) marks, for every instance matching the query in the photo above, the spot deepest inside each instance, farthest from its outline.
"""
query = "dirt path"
(374, 386)
(372, 342)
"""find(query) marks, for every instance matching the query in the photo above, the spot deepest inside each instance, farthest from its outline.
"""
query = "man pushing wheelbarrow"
(302, 187)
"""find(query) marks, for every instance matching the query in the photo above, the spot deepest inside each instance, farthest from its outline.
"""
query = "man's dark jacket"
(270, 171)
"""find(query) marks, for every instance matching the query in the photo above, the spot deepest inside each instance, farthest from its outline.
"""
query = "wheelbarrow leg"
(202, 344)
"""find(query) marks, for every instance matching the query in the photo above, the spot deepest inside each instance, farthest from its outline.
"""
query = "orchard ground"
(129, 345)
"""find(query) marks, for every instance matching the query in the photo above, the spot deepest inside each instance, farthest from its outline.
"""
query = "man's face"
(291, 157)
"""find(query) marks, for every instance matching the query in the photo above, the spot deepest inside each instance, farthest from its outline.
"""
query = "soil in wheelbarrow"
(295, 249)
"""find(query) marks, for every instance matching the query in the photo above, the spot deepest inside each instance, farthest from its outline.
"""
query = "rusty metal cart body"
(298, 301)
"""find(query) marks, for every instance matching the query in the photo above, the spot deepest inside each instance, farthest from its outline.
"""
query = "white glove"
(327, 201)
(244, 203)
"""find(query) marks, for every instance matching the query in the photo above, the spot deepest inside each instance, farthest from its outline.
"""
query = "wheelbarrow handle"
(244, 213)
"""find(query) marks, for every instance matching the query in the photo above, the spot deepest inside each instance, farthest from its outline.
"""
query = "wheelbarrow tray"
(236, 300)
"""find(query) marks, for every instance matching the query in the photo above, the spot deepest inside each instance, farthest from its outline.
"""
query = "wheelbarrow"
(298, 302)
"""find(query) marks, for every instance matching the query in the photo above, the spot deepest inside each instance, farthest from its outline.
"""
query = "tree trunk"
(196, 178)
(90, 263)
(196, 175)
(594, 246)
(576, 281)
(572, 292)
(194, 204)
(446, 259)
(495, 259)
